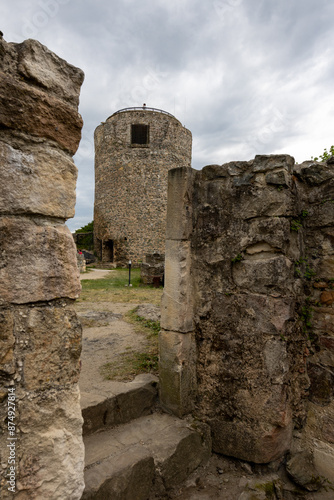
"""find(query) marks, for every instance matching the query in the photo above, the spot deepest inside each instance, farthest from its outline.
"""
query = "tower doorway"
(108, 251)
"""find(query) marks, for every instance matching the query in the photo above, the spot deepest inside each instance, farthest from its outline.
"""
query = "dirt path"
(95, 274)
(105, 336)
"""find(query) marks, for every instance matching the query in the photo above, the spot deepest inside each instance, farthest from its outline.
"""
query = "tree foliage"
(85, 241)
(325, 155)
(88, 228)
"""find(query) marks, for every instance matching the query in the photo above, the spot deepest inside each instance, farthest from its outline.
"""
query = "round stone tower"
(134, 149)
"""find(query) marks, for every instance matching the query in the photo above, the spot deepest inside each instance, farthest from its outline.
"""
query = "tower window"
(139, 134)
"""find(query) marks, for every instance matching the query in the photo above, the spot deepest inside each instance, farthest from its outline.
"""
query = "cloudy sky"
(245, 76)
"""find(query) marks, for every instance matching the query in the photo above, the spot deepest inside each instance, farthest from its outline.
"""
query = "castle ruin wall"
(41, 447)
(247, 312)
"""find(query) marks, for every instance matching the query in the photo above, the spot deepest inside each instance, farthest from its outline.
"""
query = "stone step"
(118, 403)
(154, 452)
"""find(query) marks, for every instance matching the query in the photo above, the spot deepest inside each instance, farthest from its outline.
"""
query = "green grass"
(113, 289)
(130, 364)
(238, 258)
(151, 328)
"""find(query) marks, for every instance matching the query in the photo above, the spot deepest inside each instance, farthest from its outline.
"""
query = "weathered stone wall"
(131, 183)
(313, 446)
(40, 336)
(247, 311)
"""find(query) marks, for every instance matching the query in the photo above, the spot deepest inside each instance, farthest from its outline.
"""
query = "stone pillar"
(40, 335)
(177, 345)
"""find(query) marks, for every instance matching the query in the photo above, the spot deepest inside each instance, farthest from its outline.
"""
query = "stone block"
(268, 275)
(279, 178)
(50, 340)
(257, 201)
(131, 476)
(177, 300)
(252, 314)
(121, 463)
(38, 261)
(314, 173)
(153, 269)
(274, 231)
(302, 470)
(177, 371)
(28, 109)
(320, 241)
(320, 215)
(100, 412)
(264, 163)
(51, 453)
(261, 248)
(179, 203)
(193, 448)
(261, 443)
(324, 357)
(37, 180)
(327, 297)
(311, 196)
(40, 336)
(211, 172)
(211, 222)
(318, 437)
(38, 64)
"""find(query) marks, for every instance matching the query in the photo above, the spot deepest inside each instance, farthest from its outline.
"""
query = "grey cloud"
(245, 76)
